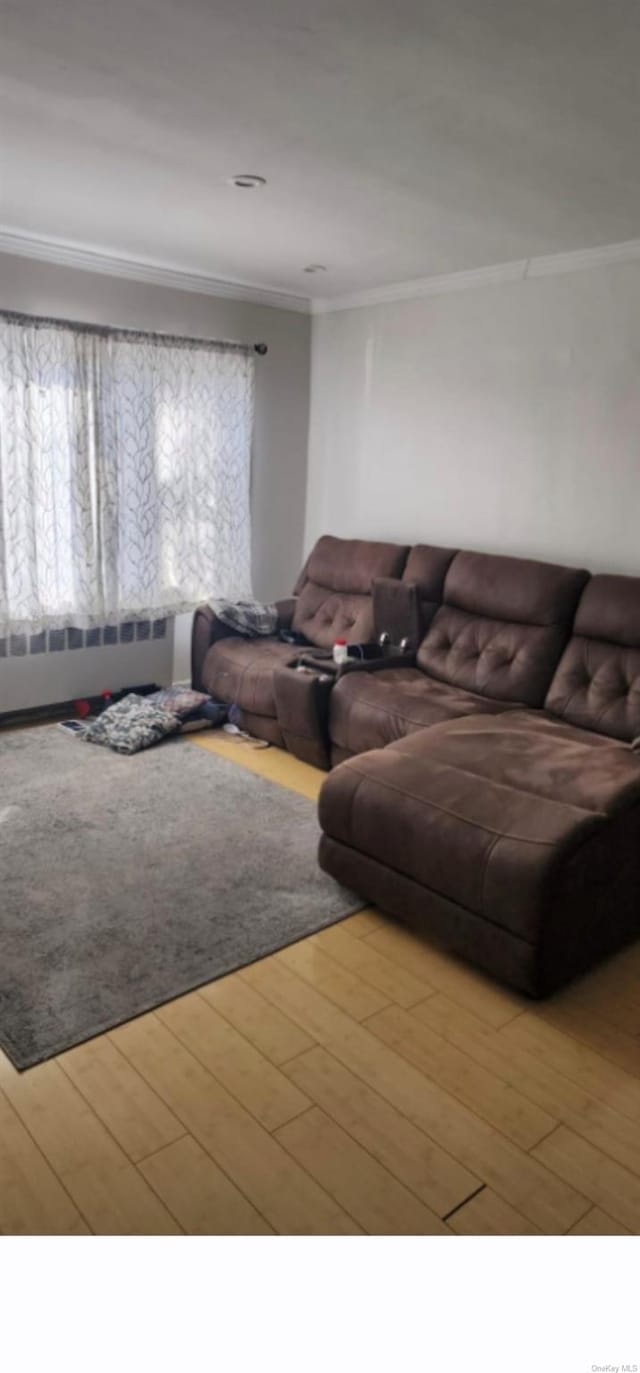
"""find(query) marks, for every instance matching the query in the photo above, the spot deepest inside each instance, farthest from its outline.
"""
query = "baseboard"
(65, 710)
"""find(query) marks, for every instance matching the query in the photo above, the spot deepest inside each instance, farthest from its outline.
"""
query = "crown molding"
(422, 286)
(584, 259)
(68, 254)
(555, 264)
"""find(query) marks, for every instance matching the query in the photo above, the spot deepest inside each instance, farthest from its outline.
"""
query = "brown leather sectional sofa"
(486, 789)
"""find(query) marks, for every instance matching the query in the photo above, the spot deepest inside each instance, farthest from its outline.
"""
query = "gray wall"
(280, 439)
(505, 418)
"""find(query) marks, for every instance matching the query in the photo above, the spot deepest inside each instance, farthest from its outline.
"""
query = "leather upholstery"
(509, 662)
(261, 727)
(302, 703)
(510, 833)
(240, 671)
(427, 567)
(454, 927)
(324, 616)
(207, 629)
(333, 599)
(482, 846)
(351, 564)
(397, 611)
(513, 589)
(371, 709)
(543, 758)
(502, 627)
(505, 819)
(335, 589)
(493, 644)
(596, 881)
(609, 609)
(597, 682)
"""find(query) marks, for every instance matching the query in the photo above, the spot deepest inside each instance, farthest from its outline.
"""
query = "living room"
(320, 667)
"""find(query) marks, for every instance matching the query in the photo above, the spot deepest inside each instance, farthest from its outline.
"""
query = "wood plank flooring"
(361, 1081)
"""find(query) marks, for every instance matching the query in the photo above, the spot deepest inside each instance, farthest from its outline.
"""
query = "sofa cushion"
(371, 709)
(484, 811)
(597, 682)
(335, 586)
(240, 672)
(533, 753)
(502, 627)
(427, 567)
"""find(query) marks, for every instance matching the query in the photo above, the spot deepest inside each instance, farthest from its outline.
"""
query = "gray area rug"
(125, 882)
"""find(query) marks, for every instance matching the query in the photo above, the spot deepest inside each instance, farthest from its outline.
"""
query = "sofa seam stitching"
(473, 824)
(485, 869)
(505, 786)
(409, 719)
(436, 891)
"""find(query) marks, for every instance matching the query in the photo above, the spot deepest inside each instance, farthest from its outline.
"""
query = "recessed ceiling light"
(314, 267)
(246, 181)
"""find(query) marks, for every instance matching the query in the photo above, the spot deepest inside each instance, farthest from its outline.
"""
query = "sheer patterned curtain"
(124, 474)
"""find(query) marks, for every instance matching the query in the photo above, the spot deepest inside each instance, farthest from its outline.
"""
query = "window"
(124, 474)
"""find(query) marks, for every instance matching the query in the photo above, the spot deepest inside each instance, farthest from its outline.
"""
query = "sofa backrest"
(502, 626)
(404, 608)
(597, 682)
(427, 566)
(334, 589)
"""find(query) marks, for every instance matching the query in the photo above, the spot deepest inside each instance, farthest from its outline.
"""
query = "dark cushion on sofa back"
(334, 588)
(405, 608)
(427, 566)
(597, 682)
(502, 627)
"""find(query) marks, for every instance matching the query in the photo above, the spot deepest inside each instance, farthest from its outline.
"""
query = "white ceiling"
(398, 140)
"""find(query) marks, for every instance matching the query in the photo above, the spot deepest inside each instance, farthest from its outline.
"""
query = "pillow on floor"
(180, 700)
(213, 712)
(131, 725)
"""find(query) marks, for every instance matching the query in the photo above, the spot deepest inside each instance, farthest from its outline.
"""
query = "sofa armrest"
(206, 630)
(286, 609)
(396, 610)
(302, 705)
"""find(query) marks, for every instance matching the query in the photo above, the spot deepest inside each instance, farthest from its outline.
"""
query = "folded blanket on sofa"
(250, 618)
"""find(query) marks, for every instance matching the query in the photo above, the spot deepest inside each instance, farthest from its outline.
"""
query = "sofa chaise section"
(485, 832)
(514, 838)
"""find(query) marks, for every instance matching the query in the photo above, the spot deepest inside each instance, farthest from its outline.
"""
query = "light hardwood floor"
(360, 1081)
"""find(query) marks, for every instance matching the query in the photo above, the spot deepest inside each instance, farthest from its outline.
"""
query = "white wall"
(51, 678)
(279, 452)
(505, 418)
